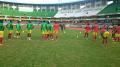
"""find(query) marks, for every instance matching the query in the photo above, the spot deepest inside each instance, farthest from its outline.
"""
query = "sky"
(42, 1)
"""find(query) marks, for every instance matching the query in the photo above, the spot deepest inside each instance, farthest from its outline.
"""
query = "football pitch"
(67, 51)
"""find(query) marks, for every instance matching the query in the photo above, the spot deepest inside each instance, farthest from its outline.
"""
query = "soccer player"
(29, 28)
(1, 32)
(105, 34)
(86, 30)
(95, 32)
(62, 27)
(56, 30)
(44, 30)
(114, 30)
(10, 29)
(118, 32)
(49, 30)
(18, 29)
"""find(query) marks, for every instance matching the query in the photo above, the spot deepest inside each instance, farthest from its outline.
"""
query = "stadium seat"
(112, 8)
(13, 12)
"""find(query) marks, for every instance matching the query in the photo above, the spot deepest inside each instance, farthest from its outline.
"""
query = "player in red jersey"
(113, 33)
(118, 32)
(95, 32)
(86, 30)
(56, 30)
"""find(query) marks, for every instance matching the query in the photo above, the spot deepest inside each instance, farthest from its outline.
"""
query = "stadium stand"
(80, 12)
(14, 12)
(111, 9)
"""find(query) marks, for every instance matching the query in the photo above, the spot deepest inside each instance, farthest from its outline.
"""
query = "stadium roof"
(41, 1)
(47, 4)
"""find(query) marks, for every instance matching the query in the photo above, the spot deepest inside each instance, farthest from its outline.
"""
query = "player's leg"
(56, 34)
(96, 36)
(106, 40)
(17, 34)
(52, 35)
(10, 35)
(29, 35)
(113, 36)
(42, 34)
(103, 39)
(85, 35)
(46, 35)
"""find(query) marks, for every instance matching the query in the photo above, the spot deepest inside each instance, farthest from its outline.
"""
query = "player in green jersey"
(44, 30)
(18, 29)
(50, 30)
(10, 29)
(1, 32)
(29, 29)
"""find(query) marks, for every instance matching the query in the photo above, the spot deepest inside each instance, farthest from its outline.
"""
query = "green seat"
(110, 9)
(13, 12)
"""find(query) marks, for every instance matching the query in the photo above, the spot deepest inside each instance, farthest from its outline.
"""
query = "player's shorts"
(56, 31)
(95, 33)
(1, 33)
(29, 31)
(86, 31)
(44, 32)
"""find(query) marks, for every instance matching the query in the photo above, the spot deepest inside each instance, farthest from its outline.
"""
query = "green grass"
(68, 51)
